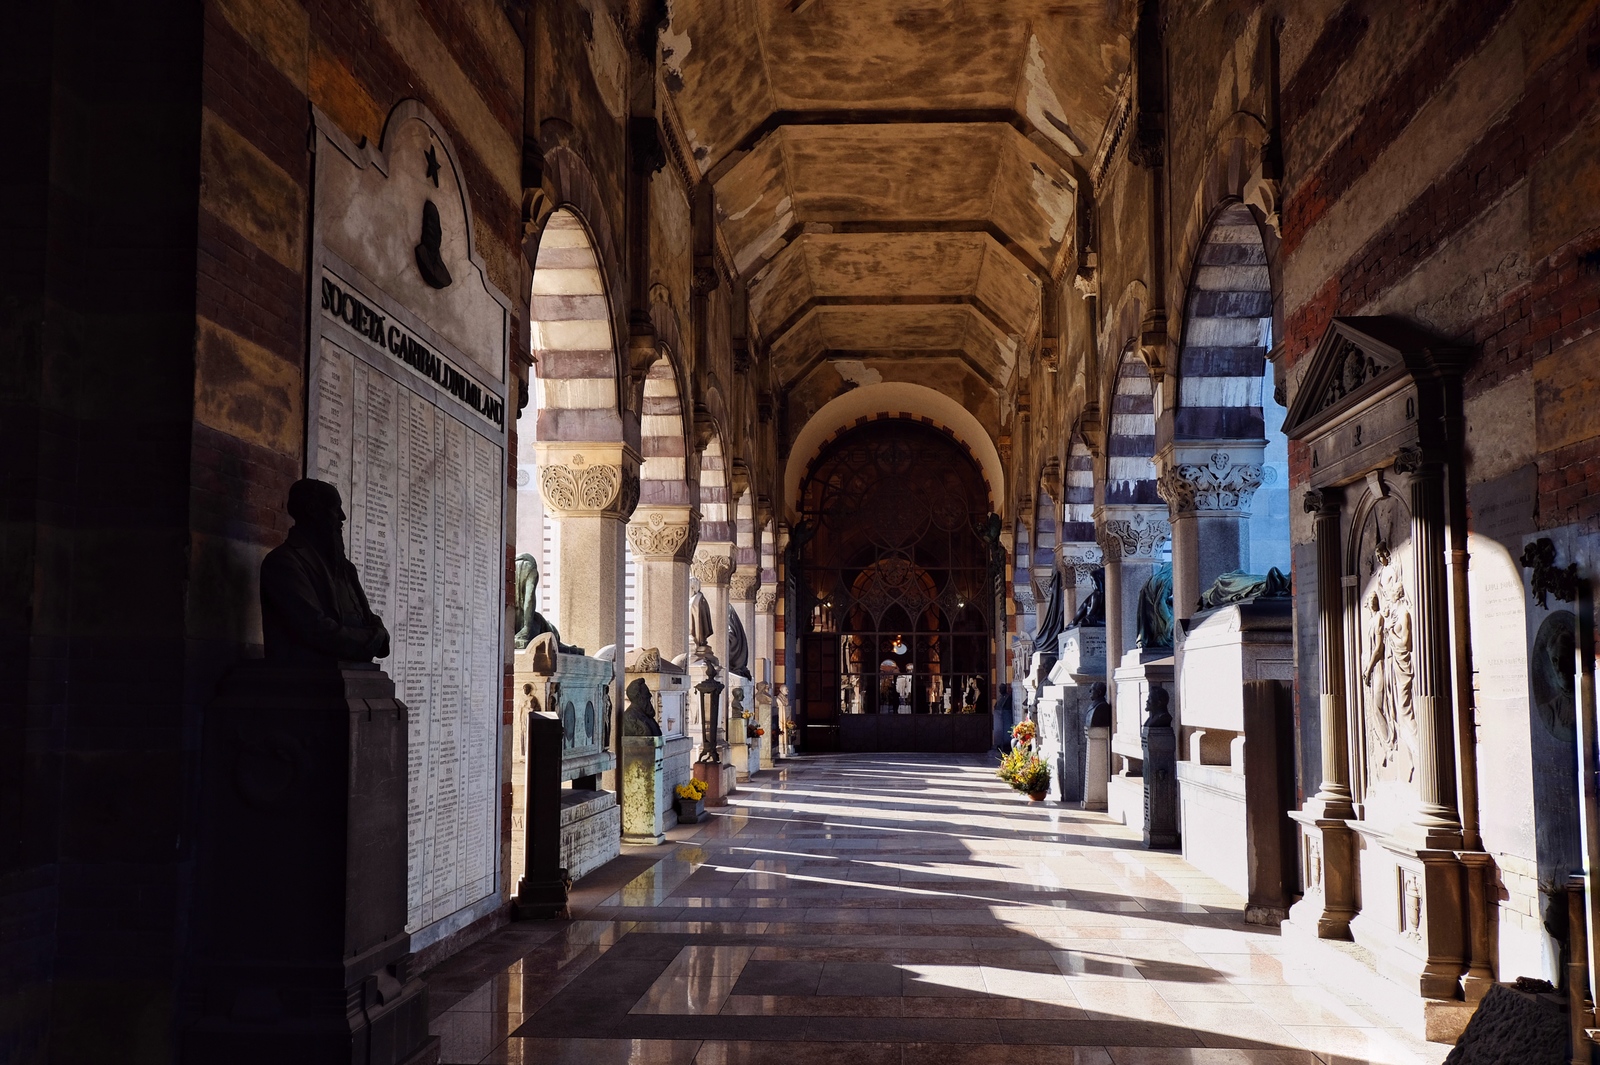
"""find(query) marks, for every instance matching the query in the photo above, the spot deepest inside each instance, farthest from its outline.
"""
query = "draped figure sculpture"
(1387, 669)
(738, 646)
(700, 627)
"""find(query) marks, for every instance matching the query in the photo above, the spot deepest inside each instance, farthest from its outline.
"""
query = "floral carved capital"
(743, 586)
(578, 487)
(712, 569)
(658, 537)
(1136, 537)
(1218, 484)
(766, 601)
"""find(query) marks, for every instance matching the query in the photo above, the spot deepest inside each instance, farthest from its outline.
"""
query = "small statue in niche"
(738, 647)
(1386, 668)
(1155, 610)
(313, 610)
(639, 719)
(700, 628)
(530, 624)
(1092, 611)
(1239, 587)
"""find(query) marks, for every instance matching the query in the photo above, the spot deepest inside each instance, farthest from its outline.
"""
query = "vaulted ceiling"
(896, 179)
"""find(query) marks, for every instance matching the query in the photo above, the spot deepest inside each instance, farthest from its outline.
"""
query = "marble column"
(766, 671)
(1131, 539)
(1327, 845)
(1437, 820)
(1208, 488)
(591, 489)
(662, 539)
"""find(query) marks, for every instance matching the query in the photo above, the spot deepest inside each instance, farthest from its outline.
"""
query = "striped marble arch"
(1131, 444)
(573, 351)
(1228, 325)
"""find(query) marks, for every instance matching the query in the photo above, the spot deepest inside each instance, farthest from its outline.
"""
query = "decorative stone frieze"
(1218, 484)
(1135, 537)
(742, 586)
(712, 568)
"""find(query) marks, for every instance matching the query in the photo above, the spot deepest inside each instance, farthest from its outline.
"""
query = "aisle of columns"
(905, 909)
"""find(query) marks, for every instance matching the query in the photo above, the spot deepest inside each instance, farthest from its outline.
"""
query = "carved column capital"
(742, 586)
(1137, 536)
(662, 535)
(712, 568)
(1216, 485)
(1079, 561)
(766, 601)
(603, 480)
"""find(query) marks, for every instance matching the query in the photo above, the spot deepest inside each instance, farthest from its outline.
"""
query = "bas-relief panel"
(1385, 665)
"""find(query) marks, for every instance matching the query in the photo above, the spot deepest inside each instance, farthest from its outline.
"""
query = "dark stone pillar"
(1160, 748)
(302, 951)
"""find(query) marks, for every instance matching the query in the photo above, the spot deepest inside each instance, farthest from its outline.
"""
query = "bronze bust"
(313, 611)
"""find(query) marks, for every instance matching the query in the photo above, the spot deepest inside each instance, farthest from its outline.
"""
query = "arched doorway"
(896, 594)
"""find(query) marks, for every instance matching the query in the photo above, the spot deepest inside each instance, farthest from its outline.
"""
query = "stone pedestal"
(1327, 876)
(574, 690)
(1096, 765)
(1126, 797)
(1412, 916)
(669, 691)
(1160, 785)
(739, 746)
(300, 946)
(718, 778)
(646, 808)
(1227, 648)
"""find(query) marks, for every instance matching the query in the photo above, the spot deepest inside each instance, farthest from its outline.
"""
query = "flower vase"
(691, 811)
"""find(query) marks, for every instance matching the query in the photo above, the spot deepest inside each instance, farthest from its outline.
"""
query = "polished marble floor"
(904, 909)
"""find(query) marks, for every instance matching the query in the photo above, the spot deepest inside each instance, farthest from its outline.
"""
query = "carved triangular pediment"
(1357, 358)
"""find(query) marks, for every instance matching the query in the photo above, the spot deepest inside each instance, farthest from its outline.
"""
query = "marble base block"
(645, 809)
(591, 830)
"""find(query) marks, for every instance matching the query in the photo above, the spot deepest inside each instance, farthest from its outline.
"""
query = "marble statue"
(1387, 669)
(1155, 610)
(700, 627)
(738, 646)
(313, 610)
(1239, 587)
(639, 719)
(736, 701)
(1092, 611)
(530, 624)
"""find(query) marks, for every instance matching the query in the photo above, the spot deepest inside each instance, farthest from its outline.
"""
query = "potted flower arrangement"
(1024, 732)
(791, 733)
(1026, 772)
(691, 801)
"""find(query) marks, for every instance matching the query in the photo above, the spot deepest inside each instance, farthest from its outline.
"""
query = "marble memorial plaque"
(407, 411)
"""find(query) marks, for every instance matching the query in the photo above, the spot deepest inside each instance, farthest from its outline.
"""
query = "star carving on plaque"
(432, 157)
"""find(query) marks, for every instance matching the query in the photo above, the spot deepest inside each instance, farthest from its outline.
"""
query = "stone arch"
(1227, 329)
(571, 338)
(890, 400)
(1131, 442)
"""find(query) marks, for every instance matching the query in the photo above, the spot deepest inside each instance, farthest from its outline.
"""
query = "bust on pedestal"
(301, 951)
